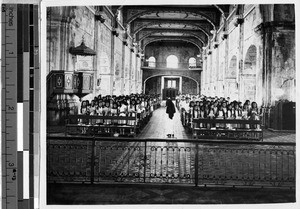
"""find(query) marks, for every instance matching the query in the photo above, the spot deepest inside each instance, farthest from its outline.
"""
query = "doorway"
(170, 92)
(170, 87)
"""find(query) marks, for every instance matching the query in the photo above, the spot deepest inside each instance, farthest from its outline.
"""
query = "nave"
(239, 52)
(159, 125)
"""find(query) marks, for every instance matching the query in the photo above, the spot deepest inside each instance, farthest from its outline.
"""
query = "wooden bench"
(143, 118)
(185, 118)
(225, 133)
(87, 125)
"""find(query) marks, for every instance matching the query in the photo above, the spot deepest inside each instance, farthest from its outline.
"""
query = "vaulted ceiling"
(183, 23)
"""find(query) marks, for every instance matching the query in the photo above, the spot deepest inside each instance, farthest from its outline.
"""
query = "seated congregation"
(213, 117)
(113, 115)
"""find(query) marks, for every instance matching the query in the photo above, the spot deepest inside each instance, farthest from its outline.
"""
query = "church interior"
(245, 52)
(109, 62)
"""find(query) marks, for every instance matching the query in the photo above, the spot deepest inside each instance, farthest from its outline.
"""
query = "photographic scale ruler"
(19, 80)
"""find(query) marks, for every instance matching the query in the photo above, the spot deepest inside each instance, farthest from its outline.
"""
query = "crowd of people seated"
(199, 106)
(112, 105)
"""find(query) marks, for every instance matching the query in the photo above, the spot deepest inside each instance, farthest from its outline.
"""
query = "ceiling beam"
(194, 41)
(209, 13)
(141, 24)
(148, 33)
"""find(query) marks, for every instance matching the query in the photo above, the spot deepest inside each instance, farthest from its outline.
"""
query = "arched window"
(250, 61)
(192, 62)
(231, 71)
(172, 61)
(152, 62)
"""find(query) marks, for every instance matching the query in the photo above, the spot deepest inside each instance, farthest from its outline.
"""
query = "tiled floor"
(158, 127)
(121, 193)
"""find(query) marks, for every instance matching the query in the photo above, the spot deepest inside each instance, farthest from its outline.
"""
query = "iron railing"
(195, 162)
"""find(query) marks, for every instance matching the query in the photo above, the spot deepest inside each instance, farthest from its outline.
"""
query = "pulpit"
(69, 82)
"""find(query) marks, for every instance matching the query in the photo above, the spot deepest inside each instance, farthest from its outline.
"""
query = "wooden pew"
(87, 125)
(225, 133)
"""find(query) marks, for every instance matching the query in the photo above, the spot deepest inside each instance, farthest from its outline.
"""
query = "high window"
(152, 62)
(192, 62)
(172, 61)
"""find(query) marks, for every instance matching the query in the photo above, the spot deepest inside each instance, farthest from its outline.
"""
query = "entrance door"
(170, 88)
(170, 92)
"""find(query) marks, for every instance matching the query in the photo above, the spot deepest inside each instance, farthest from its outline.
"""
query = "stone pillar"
(205, 79)
(162, 84)
(240, 60)
(279, 61)
(180, 84)
(112, 64)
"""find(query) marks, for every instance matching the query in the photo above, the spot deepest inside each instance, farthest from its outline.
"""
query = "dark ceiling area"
(185, 23)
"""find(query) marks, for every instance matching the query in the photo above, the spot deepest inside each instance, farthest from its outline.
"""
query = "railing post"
(196, 164)
(93, 160)
(145, 161)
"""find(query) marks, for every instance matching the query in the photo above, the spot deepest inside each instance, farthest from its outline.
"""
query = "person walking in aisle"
(170, 110)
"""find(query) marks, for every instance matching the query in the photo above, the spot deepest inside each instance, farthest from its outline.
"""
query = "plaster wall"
(272, 75)
(162, 50)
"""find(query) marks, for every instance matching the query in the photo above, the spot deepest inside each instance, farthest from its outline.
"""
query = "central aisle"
(158, 125)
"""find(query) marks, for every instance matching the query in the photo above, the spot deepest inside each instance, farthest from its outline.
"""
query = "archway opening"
(248, 75)
(231, 85)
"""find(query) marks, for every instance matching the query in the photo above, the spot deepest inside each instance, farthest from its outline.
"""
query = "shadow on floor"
(100, 194)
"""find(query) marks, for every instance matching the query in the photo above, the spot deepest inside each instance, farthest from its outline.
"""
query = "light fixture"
(115, 32)
(99, 17)
(224, 35)
(238, 20)
(215, 44)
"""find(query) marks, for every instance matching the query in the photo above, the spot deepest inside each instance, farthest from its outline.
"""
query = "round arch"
(172, 61)
(232, 68)
(152, 61)
(231, 85)
(248, 75)
(173, 39)
(183, 76)
(192, 62)
(250, 60)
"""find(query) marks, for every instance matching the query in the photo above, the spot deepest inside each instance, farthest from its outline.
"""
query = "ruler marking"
(9, 183)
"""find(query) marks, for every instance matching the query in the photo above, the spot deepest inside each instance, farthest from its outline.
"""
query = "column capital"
(267, 27)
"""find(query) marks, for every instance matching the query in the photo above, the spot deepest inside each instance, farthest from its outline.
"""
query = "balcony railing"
(199, 163)
(184, 65)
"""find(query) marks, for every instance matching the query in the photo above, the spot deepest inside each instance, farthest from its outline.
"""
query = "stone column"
(279, 61)
(240, 60)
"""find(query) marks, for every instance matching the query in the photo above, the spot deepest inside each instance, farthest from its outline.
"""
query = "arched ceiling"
(194, 41)
(191, 23)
